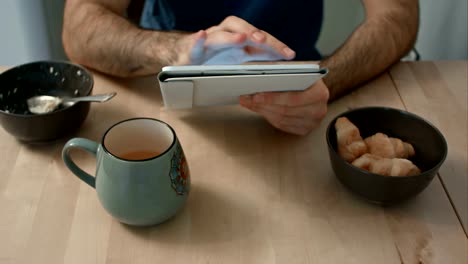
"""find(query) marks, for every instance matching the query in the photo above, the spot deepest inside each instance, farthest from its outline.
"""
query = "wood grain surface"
(258, 195)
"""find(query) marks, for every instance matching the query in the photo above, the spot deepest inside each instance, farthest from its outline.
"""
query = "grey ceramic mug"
(142, 176)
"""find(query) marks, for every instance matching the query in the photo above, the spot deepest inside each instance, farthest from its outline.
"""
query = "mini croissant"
(378, 154)
(350, 143)
(386, 166)
(388, 147)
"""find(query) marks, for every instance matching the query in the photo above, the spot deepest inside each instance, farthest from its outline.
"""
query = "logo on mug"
(179, 173)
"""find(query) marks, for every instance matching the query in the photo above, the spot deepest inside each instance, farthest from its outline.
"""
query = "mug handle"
(84, 144)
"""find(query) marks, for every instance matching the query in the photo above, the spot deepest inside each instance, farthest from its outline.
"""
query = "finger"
(198, 42)
(195, 46)
(223, 38)
(314, 94)
(300, 131)
(236, 24)
(299, 119)
(294, 125)
(309, 116)
(206, 45)
(311, 112)
(277, 46)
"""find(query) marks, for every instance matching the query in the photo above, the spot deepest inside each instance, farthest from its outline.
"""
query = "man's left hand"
(292, 112)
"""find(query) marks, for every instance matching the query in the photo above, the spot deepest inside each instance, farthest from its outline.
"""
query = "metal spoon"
(43, 104)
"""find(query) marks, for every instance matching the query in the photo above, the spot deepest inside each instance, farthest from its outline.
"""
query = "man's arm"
(388, 33)
(97, 34)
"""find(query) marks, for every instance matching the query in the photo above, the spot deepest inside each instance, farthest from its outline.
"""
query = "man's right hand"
(232, 32)
(97, 35)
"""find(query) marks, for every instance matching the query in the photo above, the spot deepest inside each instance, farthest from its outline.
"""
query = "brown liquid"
(139, 155)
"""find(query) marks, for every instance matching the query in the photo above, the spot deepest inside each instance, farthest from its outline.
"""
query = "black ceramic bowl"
(429, 144)
(43, 78)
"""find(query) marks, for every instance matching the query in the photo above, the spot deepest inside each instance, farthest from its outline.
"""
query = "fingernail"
(258, 36)
(289, 52)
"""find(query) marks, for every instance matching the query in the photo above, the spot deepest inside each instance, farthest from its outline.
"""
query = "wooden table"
(258, 195)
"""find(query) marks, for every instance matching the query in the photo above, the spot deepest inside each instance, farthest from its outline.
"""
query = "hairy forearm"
(111, 44)
(378, 42)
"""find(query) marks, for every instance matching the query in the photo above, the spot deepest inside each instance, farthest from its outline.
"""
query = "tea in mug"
(148, 182)
(139, 155)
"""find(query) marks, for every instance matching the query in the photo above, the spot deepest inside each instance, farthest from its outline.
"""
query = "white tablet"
(209, 85)
(249, 69)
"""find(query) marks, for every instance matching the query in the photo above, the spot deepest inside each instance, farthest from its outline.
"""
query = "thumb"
(197, 50)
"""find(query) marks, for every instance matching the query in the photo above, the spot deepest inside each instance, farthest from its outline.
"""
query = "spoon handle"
(91, 98)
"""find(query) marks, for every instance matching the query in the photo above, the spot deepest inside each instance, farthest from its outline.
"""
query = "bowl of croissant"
(384, 155)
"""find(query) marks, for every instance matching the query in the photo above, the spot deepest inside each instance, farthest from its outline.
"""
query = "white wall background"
(341, 17)
(443, 31)
(30, 29)
(23, 34)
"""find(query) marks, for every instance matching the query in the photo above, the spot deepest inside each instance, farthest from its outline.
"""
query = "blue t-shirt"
(297, 23)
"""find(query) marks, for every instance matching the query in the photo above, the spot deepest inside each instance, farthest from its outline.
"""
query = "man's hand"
(239, 30)
(231, 33)
(97, 34)
(388, 32)
(293, 112)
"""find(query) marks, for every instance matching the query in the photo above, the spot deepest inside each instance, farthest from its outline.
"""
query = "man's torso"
(295, 22)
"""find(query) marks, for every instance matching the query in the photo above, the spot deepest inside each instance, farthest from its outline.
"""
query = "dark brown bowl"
(429, 144)
(58, 78)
